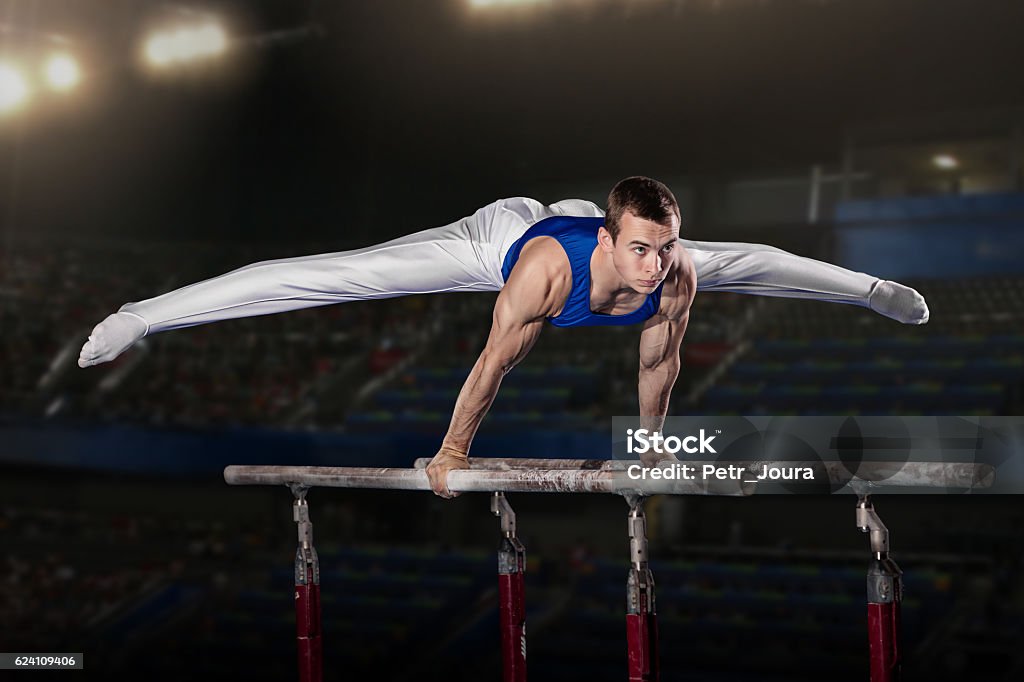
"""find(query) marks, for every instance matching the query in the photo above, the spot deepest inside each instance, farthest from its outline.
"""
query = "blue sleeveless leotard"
(578, 237)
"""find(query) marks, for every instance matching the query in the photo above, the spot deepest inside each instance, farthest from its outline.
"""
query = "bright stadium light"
(159, 51)
(180, 45)
(62, 72)
(13, 88)
(945, 161)
(211, 40)
(502, 3)
(184, 44)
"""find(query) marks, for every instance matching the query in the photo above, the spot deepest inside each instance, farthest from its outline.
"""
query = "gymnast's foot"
(111, 337)
(898, 302)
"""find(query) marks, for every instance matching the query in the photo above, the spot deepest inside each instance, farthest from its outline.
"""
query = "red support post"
(885, 595)
(307, 594)
(642, 640)
(641, 615)
(512, 595)
(513, 627)
(307, 620)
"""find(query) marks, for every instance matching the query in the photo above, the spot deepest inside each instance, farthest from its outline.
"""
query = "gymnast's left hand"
(446, 459)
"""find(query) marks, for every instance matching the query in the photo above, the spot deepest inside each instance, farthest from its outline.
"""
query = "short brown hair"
(643, 197)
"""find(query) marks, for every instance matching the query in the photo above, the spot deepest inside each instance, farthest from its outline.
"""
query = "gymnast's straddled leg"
(467, 256)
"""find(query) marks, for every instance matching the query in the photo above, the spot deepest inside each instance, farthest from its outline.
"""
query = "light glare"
(13, 88)
(185, 44)
(62, 72)
(212, 39)
(945, 161)
(502, 3)
(159, 50)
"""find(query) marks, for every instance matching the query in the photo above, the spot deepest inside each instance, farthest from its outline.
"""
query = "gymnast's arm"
(530, 295)
(660, 342)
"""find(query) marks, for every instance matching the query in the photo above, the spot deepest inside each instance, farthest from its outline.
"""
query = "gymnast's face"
(643, 252)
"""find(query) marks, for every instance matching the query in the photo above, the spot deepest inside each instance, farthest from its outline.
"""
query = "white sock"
(898, 302)
(111, 337)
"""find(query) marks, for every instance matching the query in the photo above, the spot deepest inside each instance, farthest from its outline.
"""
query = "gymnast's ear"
(605, 239)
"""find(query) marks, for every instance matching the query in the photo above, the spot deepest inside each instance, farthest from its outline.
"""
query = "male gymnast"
(569, 263)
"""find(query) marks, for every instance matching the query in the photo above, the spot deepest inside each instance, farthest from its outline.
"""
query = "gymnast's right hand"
(111, 337)
(445, 460)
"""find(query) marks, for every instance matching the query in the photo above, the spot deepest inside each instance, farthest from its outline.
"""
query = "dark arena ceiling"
(478, 98)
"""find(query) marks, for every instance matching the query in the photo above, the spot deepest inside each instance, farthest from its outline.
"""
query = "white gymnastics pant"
(467, 256)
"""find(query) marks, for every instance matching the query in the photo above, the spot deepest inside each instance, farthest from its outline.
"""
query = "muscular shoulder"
(541, 280)
(680, 286)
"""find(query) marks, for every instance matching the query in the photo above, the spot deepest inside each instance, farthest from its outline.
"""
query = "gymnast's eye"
(639, 250)
(668, 248)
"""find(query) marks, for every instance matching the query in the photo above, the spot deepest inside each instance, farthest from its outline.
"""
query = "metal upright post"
(885, 594)
(641, 617)
(511, 571)
(307, 593)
